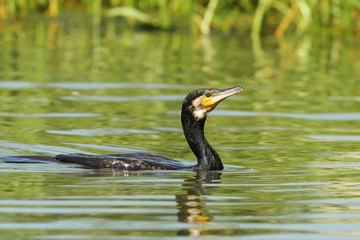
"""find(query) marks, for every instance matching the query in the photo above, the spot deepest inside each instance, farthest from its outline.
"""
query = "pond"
(289, 143)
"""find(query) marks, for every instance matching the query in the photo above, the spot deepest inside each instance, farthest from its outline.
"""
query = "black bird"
(197, 104)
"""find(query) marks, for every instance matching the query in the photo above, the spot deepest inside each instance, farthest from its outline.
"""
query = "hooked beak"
(219, 95)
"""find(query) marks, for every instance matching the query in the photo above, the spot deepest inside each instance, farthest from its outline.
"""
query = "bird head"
(202, 101)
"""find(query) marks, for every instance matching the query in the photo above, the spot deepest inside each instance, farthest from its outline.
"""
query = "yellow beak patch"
(209, 103)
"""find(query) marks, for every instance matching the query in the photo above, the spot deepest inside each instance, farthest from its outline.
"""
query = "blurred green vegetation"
(276, 17)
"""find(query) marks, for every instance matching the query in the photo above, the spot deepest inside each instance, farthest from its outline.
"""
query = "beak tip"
(241, 89)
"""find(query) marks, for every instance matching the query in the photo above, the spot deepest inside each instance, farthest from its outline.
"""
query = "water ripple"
(335, 137)
(52, 115)
(253, 147)
(167, 129)
(91, 85)
(347, 98)
(101, 131)
(123, 98)
(336, 227)
(309, 116)
(257, 128)
(110, 148)
(41, 148)
(62, 202)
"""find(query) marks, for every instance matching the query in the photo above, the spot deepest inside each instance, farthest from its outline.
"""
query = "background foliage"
(276, 17)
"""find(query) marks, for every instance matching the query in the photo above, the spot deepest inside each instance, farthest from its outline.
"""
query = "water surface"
(290, 143)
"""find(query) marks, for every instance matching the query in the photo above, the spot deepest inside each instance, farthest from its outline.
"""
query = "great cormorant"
(197, 104)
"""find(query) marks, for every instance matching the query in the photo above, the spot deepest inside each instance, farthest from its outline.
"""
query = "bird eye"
(207, 94)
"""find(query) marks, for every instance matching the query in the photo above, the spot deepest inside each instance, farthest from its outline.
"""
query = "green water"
(290, 143)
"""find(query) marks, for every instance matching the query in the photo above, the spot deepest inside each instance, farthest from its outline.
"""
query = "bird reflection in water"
(191, 205)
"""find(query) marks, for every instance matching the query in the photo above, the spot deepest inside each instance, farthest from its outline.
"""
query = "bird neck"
(207, 157)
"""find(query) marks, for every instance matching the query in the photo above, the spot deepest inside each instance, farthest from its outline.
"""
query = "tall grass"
(277, 17)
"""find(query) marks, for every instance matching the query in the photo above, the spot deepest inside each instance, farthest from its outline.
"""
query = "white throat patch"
(200, 111)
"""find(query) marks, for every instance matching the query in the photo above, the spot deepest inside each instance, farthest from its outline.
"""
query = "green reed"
(277, 17)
